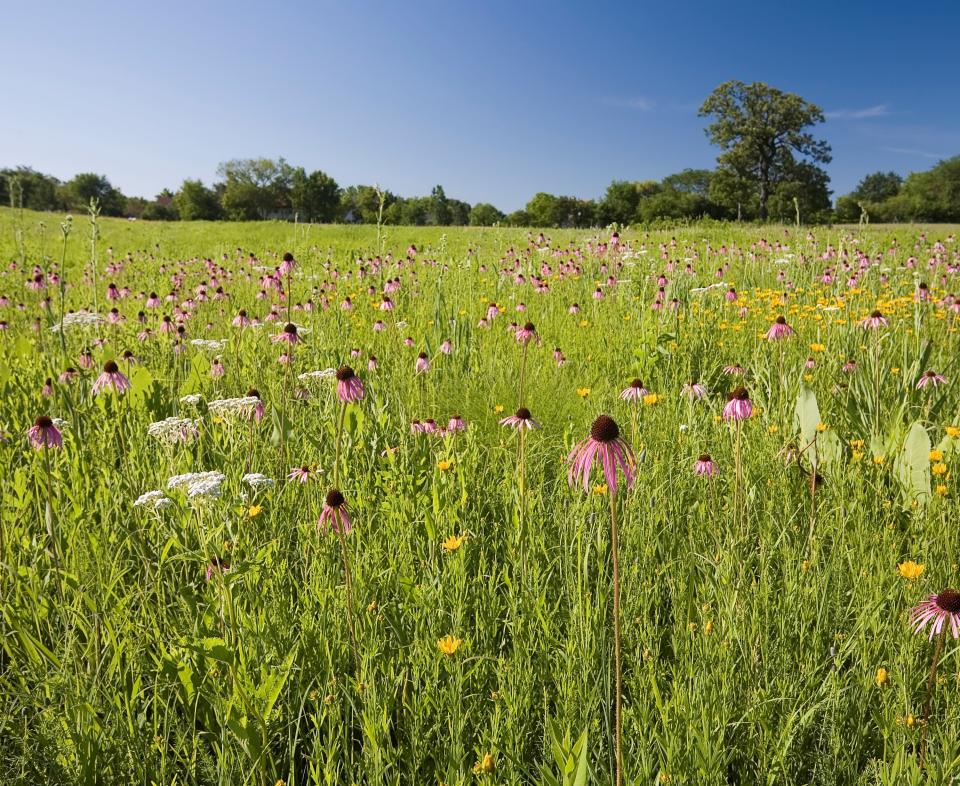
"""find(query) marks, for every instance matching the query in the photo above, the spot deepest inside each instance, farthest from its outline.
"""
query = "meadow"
(447, 619)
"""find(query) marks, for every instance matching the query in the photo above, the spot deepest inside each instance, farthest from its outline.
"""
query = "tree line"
(769, 168)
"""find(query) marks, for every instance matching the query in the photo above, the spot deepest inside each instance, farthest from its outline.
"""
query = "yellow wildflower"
(444, 464)
(253, 511)
(936, 455)
(452, 543)
(448, 645)
(939, 469)
(583, 392)
(650, 399)
(910, 570)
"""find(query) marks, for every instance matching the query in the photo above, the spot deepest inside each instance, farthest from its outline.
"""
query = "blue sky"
(493, 100)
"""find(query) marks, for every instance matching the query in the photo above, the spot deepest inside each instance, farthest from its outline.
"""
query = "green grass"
(752, 632)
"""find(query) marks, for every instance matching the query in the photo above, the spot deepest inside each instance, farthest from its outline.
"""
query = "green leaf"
(912, 465)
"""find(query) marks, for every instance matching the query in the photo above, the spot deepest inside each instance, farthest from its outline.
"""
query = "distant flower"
(634, 392)
(910, 570)
(874, 321)
(527, 333)
(289, 335)
(937, 610)
(302, 473)
(257, 481)
(779, 330)
(449, 645)
(694, 391)
(422, 364)
(705, 465)
(456, 423)
(452, 543)
(931, 378)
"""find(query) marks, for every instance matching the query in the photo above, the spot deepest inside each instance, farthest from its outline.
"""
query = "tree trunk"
(764, 191)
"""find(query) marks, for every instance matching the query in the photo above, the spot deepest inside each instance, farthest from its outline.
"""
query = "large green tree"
(314, 197)
(483, 214)
(25, 187)
(195, 202)
(761, 131)
(77, 193)
(255, 188)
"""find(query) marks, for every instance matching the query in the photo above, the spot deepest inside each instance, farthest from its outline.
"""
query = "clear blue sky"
(493, 100)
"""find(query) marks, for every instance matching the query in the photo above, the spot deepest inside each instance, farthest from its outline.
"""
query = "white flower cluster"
(233, 406)
(154, 499)
(210, 344)
(77, 319)
(60, 423)
(257, 481)
(192, 399)
(323, 374)
(173, 430)
(199, 485)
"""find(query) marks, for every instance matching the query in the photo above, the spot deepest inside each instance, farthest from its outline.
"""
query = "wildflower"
(935, 455)
(289, 335)
(241, 320)
(45, 434)
(527, 333)
(521, 419)
(257, 480)
(335, 514)
(931, 378)
(302, 473)
(444, 464)
(456, 423)
(253, 511)
(634, 392)
(694, 391)
(485, 765)
(349, 386)
(422, 364)
(939, 469)
(910, 570)
(217, 565)
(874, 321)
(154, 499)
(173, 430)
(938, 610)
(881, 677)
(449, 645)
(111, 379)
(704, 465)
(452, 543)
(779, 330)
(738, 407)
(606, 446)
(953, 431)
(650, 399)
(583, 392)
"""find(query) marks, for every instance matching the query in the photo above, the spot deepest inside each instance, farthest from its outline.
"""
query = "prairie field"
(225, 558)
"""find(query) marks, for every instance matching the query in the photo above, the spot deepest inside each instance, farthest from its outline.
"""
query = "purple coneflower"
(241, 319)
(931, 378)
(526, 333)
(521, 419)
(456, 423)
(349, 386)
(68, 374)
(705, 465)
(111, 379)
(217, 565)
(694, 391)
(607, 446)
(733, 370)
(635, 392)
(874, 321)
(258, 409)
(422, 364)
(335, 514)
(45, 434)
(288, 335)
(738, 406)
(938, 609)
(302, 473)
(779, 330)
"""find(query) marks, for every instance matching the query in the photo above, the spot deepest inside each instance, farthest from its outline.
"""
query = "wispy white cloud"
(909, 151)
(880, 110)
(640, 104)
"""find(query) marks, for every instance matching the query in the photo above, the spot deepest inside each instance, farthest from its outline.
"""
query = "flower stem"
(618, 676)
(931, 686)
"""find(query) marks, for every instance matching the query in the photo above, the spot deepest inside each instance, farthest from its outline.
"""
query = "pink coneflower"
(47, 390)
(456, 423)
(408, 341)
(574, 308)
(386, 304)
(526, 333)
(731, 295)
(372, 363)
(259, 408)
(44, 434)
(739, 406)
(598, 294)
(810, 363)
(68, 374)
(241, 320)
(217, 565)
(335, 514)
(349, 386)
(289, 335)
(422, 364)
(446, 347)
(705, 465)
(378, 326)
(492, 312)
(694, 391)
(874, 321)
(931, 378)
(167, 326)
(216, 369)
(86, 359)
(779, 330)
(849, 366)
(938, 609)
(112, 292)
(521, 419)
(302, 473)
(634, 392)
(346, 305)
(733, 370)
(111, 379)
(606, 446)
(287, 265)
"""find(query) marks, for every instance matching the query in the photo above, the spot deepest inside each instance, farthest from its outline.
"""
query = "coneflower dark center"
(781, 320)
(739, 393)
(253, 393)
(334, 498)
(876, 314)
(43, 421)
(529, 326)
(604, 429)
(110, 367)
(288, 257)
(523, 413)
(705, 457)
(636, 384)
(345, 373)
(242, 312)
(949, 600)
(290, 328)
(422, 356)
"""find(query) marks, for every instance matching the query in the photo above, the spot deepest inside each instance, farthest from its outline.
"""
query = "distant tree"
(361, 204)
(28, 188)
(518, 218)
(933, 195)
(255, 188)
(483, 214)
(621, 200)
(439, 207)
(459, 212)
(878, 187)
(415, 211)
(809, 186)
(314, 197)
(545, 210)
(759, 129)
(133, 207)
(160, 211)
(76, 194)
(195, 202)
